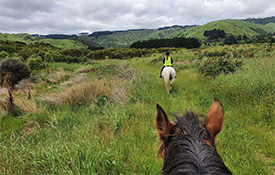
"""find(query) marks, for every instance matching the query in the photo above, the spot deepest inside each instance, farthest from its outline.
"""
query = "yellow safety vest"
(168, 62)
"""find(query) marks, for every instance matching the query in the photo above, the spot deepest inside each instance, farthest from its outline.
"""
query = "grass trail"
(114, 138)
(245, 145)
(187, 88)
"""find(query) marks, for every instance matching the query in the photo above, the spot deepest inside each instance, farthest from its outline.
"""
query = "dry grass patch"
(119, 91)
(28, 106)
(86, 69)
(78, 79)
(3, 91)
(79, 93)
(4, 103)
(58, 76)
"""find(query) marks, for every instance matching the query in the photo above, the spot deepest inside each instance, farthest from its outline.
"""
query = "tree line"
(188, 43)
(217, 35)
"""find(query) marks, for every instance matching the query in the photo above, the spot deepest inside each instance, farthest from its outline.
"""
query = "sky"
(76, 16)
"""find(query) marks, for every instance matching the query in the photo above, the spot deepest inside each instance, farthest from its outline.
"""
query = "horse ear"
(214, 121)
(162, 124)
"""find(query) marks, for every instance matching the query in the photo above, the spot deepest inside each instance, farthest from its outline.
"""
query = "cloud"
(74, 16)
(18, 9)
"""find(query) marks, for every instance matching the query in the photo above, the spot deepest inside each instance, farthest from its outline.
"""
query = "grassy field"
(97, 118)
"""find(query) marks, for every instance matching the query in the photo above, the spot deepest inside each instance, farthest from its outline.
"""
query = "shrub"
(35, 63)
(7, 48)
(3, 55)
(12, 71)
(214, 67)
(48, 57)
(72, 52)
(57, 57)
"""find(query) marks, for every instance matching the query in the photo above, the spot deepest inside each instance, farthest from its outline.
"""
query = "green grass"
(116, 135)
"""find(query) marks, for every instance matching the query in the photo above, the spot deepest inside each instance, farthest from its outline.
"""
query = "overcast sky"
(75, 16)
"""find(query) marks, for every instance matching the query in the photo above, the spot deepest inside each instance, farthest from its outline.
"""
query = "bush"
(3, 55)
(12, 71)
(35, 63)
(214, 67)
(72, 52)
(57, 57)
(48, 57)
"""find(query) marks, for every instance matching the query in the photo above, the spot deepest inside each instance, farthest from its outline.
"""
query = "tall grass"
(252, 86)
(78, 93)
(106, 126)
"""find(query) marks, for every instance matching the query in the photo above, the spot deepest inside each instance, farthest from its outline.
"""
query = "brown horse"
(188, 145)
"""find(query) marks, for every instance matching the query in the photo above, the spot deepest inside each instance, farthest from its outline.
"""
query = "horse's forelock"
(188, 152)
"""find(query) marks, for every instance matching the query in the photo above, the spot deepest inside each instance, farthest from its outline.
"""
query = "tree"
(11, 72)
(188, 43)
(214, 34)
(230, 40)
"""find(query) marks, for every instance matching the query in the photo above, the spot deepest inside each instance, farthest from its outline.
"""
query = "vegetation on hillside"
(46, 53)
(95, 116)
(262, 21)
(33, 40)
(242, 31)
(236, 28)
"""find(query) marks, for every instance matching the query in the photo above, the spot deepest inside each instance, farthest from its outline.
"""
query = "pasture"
(98, 117)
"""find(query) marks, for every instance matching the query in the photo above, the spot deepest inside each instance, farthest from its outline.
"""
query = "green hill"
(126, 38)
(271, 26)
(23, 37)
(119, 39)
(231, 27)
(262, 21)
(58, 43)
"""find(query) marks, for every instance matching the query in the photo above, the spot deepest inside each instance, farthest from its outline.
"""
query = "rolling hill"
(120, 39)
(231, 27)
(58, 43)
(262, 21)
(126, 38)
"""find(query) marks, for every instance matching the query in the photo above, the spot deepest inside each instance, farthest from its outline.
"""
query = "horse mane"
(187, 153)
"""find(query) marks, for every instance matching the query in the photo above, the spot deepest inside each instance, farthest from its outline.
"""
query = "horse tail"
(167, 80)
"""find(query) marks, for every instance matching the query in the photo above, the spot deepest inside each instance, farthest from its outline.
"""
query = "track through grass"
(104, 137)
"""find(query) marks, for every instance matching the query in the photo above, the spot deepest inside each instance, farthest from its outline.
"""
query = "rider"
(167, 62)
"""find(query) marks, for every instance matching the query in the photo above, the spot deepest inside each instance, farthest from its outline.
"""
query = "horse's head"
(188, 144)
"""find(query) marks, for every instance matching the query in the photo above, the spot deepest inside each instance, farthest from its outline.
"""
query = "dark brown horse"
(188, 144)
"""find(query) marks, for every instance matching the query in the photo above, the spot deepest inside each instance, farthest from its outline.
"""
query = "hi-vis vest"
(168, 62)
